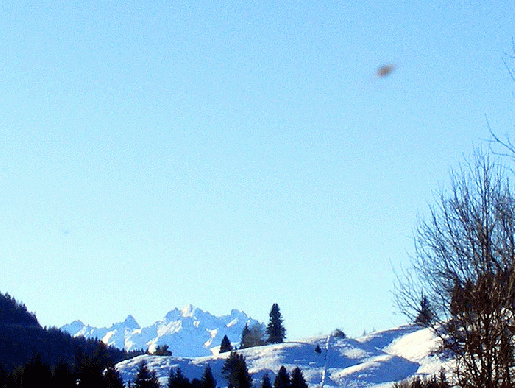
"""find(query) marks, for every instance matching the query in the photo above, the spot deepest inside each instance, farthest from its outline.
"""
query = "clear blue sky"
(233, 154)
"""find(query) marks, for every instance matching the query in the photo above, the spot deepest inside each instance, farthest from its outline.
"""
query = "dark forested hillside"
(22, 338)
(14, 313)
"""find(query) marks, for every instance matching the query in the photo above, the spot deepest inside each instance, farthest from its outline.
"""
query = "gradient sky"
(234, 154)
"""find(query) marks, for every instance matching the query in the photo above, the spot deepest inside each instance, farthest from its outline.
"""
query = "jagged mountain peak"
(188, 332)
(130, 322)
(73, 327)
(188, 310)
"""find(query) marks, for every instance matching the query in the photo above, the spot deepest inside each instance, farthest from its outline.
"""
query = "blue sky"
(234, 154)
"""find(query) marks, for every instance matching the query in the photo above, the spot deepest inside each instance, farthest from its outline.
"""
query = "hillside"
(189, 332)
(375, 360)
(22, 337)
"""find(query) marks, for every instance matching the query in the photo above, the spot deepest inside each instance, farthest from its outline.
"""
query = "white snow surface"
(188, 332)
(376, 360)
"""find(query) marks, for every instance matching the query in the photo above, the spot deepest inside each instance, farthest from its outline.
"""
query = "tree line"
(234, 370)
(32, 355)
(147, 378)
(255, 334)
(95, 371)
(439, 381)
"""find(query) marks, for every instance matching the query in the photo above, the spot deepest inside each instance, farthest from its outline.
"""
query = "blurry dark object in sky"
(385, 70)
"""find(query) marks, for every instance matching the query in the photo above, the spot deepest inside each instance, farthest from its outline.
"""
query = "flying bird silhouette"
(385, 70)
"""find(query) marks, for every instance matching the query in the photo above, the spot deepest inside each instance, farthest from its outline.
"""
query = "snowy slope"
(189, 332)
(376, 360)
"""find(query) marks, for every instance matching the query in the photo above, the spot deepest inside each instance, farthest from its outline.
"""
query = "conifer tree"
(178, 380)
(14, 312)
(297, 379)
(275, 329)
(245, 337)
(208, 381)
(425, 313)
(162, 351)
(282, 380)
(145, 378)
(225, 346)
(236, 372)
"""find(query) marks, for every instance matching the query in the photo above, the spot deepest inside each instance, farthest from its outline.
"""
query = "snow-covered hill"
(375, 360)
(189, 332)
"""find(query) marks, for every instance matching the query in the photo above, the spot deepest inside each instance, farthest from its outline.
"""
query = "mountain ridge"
(188, 332)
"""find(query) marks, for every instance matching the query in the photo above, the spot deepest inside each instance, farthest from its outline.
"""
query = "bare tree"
(464, 265)
(504, 145)
(252, 336)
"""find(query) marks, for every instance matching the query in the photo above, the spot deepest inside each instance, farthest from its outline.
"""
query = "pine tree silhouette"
(208, 381)
(225, 346)
(275, 329)
(425, 312)
(245, 337)
(145, 378)
(236, 372)
(282, 380)
(178, 380)
(297, 379)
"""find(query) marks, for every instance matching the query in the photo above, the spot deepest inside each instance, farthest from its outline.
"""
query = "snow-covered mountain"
(189, 332)
(376, 360)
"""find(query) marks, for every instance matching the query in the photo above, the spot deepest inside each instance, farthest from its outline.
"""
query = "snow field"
(376, 360)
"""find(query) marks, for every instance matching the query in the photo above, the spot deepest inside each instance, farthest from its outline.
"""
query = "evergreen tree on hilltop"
(236, 372)
(282, 380)
(252, 336)
(425, 314)
(339, 333)
(162, 351)
(145, 378)
(297, 379)
(225, 346)
(275, 329)
(244, 337)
